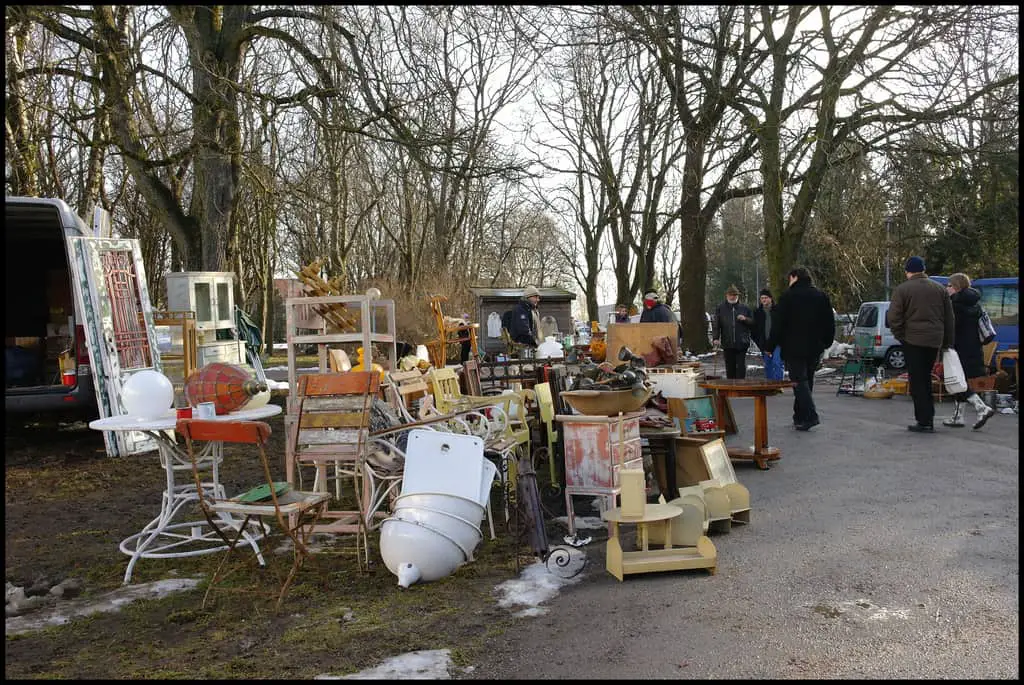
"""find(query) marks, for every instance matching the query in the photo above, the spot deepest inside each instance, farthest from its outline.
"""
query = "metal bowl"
(607, 402)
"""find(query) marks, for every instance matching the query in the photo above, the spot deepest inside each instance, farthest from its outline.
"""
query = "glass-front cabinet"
(210, 294)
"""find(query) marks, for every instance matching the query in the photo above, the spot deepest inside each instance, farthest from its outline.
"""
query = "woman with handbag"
(967, 343)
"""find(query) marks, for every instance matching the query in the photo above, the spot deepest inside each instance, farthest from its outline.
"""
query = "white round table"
(163, 537)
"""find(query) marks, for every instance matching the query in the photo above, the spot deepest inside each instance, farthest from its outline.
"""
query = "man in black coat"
(804, 327)
(731, 326)
(524, 328)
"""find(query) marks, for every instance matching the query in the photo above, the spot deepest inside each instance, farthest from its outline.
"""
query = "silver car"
(872, 334)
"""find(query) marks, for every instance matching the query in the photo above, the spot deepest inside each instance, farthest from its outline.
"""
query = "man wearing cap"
(921, 318)
(656, 311)
(731, 326)
(525, 324)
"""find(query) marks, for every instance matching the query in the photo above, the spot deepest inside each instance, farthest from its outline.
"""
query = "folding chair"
(331, 430)
(294, 510)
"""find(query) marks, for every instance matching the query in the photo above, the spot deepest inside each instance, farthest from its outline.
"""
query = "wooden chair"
(293, 510)
(471, 377)
(332, 430)
(410, 386)
(448, 333)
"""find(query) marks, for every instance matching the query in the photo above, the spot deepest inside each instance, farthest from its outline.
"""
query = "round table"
(760, 453)
(163, 537)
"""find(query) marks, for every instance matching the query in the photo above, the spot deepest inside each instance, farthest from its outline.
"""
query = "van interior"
(40, 329)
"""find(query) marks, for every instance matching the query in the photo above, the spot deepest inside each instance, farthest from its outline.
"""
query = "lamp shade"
(147, 394)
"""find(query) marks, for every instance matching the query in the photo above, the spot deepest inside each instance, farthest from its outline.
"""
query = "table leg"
(760, 453)
(722, 411)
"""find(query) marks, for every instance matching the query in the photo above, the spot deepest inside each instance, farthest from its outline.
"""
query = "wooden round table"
(759, 389)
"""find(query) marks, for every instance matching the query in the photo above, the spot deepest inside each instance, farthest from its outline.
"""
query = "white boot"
(984, 411)
(957, 419)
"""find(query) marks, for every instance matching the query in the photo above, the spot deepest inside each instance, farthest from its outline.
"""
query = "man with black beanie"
(763, 323)
(921, 318)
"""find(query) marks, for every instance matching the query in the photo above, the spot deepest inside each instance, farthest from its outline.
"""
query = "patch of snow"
(427, 664)
(112, 601)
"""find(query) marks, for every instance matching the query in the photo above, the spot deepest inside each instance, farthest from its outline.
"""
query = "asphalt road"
(872, 553)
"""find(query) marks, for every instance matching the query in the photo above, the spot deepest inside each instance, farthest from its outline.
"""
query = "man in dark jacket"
(731, 327)
(921, 318)
(804, 326)
(656, 311)
(524, 326)
(763, 321)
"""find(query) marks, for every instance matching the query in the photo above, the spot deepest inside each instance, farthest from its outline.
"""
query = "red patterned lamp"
(228, 386)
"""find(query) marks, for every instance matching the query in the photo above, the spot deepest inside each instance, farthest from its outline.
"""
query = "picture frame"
(716, 459)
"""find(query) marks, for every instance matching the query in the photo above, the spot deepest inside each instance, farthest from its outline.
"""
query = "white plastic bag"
(953, 372)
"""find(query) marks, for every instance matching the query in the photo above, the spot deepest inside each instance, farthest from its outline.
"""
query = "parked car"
(42, 318)
(872, 325)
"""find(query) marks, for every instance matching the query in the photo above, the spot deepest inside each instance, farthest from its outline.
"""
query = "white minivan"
(872, 328)
(47, 362)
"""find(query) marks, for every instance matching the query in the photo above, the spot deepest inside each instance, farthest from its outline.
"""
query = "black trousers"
(467, 349)
(801, 373)
(735, 363)
(920, 361)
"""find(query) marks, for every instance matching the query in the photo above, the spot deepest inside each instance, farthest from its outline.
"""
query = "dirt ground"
(67, 506)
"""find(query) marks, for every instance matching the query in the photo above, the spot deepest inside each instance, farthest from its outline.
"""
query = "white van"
(42, 331)
(871, 326)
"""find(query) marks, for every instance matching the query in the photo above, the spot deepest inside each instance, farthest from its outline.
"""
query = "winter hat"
(767, 292)
(732, 290)
(651, 295)
(915, 265)
(531, 292)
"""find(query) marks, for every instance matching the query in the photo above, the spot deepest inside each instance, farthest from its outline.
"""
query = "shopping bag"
(986, 331)
(953, 372)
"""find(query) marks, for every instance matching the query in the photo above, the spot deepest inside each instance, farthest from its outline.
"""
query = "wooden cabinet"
(595, 448)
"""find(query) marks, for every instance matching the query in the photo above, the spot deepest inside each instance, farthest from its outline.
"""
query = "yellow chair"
(546, 407)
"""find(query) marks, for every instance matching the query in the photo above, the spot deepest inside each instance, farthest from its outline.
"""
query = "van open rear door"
(109, 281)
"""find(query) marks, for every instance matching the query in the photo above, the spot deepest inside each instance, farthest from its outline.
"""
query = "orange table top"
(745, 385)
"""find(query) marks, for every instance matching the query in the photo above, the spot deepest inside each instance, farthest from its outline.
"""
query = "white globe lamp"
(147, 394)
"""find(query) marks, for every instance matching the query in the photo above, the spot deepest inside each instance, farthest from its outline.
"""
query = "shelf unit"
(370, 320)
(179, 355)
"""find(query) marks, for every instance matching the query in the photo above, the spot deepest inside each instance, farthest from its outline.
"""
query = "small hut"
(491, 303)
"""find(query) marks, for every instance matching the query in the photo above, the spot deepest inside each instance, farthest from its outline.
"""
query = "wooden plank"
(353, 382)
(333, 420)
(350, 403)
(324, 437)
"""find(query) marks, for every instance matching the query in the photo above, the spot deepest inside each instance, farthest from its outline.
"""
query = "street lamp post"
(888, 228)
